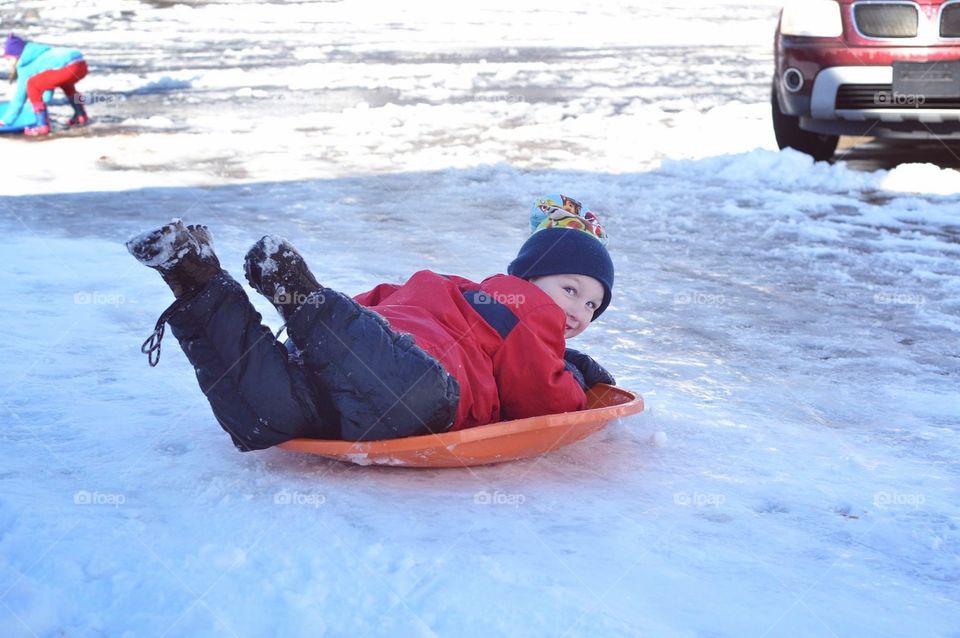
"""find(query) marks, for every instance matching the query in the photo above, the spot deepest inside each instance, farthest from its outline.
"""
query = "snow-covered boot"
(183, 255)
(79, 112)
(277, 271)
(42, 126)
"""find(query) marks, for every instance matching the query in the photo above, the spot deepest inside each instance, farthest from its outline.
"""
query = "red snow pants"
(65, 78)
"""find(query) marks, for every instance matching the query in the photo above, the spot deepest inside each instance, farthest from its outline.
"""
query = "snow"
(272, 245)
(163, 247)
(793, 328)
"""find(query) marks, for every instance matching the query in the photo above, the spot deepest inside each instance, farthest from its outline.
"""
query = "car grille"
(876, 20)
(880, 96)
(950, 21)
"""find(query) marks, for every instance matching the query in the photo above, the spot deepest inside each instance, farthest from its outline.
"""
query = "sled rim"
(441, 450)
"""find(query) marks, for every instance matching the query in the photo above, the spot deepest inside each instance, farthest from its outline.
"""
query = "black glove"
(585, 370)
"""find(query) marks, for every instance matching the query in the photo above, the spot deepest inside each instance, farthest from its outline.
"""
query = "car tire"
(789, 134)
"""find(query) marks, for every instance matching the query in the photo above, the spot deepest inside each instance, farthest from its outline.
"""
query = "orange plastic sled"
(496, 443)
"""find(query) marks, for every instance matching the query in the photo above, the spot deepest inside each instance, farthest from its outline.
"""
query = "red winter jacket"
(502, 339)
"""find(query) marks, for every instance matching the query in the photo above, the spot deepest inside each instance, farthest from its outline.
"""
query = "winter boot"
(79, 112)
(277, 271)
(42, 126)
(182, 254)
(184, 257)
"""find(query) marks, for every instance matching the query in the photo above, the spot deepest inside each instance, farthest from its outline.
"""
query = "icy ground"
(794, 328)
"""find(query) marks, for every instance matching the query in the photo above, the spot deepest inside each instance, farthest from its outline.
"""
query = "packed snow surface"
(793, 327)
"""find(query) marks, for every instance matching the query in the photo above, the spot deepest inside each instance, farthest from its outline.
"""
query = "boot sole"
(255, 256)
(160, 247)
(269, 251)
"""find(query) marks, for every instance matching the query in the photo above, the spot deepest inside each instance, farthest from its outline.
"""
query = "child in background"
(434, 354)
(37, 68)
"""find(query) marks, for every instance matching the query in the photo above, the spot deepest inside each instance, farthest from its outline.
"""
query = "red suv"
(882, 68)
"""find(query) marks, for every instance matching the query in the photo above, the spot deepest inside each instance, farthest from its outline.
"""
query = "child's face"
(578, 295)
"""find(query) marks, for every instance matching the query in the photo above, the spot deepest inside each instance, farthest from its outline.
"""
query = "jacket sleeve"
(531, 374)
(10, 115)
(376, 296)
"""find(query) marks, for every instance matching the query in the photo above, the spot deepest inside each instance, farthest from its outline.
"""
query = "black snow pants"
(348, 375)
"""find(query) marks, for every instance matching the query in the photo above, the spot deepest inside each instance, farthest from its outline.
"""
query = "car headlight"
(812, 18)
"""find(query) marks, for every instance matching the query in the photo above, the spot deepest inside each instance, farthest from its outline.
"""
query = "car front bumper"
(818, 111)
(866, 73)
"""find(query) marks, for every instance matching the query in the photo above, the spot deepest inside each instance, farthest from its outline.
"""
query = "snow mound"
(922, 178)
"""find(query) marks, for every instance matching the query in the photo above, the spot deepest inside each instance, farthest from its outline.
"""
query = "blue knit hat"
(567, 238)
(13, 46)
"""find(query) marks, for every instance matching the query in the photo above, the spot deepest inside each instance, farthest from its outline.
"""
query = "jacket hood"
(31, 52)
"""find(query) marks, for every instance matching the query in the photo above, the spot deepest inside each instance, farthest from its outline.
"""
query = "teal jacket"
(36, 58)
